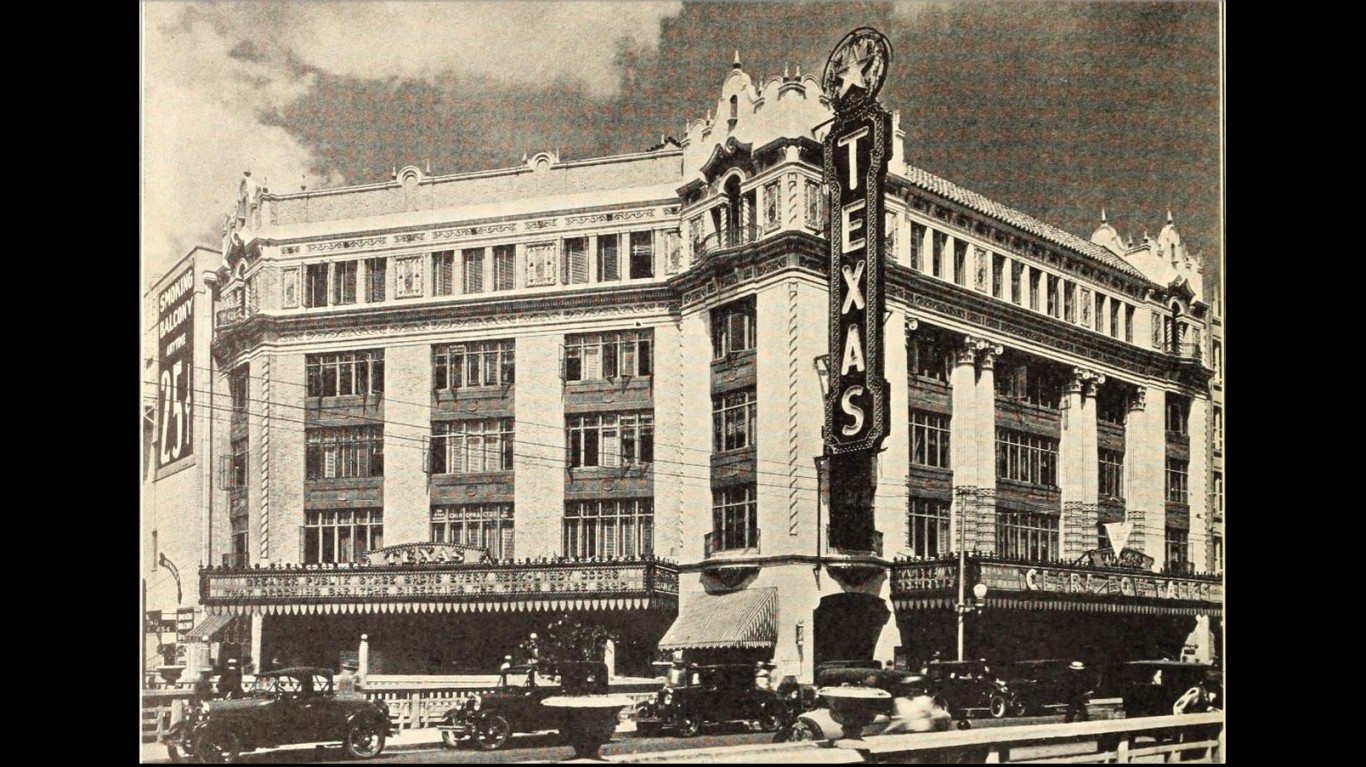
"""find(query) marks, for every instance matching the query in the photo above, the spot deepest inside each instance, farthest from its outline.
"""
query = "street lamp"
(175, 572)
(979, 593)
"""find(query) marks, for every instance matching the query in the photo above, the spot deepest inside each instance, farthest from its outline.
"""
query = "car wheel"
(1190, 699)
(770, 720)
(688, 725)
(492, 732)
(998, 707)
(218, 746)
(364, 740)
(449, 740)
(1019, 706)
(804, 730)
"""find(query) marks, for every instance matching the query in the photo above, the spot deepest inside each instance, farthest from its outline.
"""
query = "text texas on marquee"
(856, 153)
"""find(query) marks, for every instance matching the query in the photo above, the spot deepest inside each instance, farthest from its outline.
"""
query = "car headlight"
(473, 703)
(668, 697)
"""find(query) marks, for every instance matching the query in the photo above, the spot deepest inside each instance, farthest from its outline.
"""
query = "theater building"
(463, 404)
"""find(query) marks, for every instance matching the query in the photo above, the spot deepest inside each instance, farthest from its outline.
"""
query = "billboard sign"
(175, 369)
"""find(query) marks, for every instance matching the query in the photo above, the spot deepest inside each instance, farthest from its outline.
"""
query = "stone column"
(893, 495)
(1198, 486)
(1078, 463)
(963, 437)
(985, 454)
(1145, 466)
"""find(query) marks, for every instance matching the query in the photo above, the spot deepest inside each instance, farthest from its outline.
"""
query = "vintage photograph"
(682, 382)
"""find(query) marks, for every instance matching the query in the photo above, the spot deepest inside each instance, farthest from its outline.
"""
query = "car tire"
(364, 740)
(770, 720)
(688, 726)
(449, 740)
(492, 732)
(998, 707)
(217, 746)
(804, 730)
(1019, 706)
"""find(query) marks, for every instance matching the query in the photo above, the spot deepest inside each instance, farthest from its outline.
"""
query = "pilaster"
(1079, 463)
(407, 507)
(538, 462)
(1145, 466)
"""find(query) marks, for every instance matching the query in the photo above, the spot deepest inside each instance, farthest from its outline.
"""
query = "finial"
(785, 77)
(429, 166)
(1102, 214)
(799, 71)
(736, 65)
(393, 173)
(1169, 215)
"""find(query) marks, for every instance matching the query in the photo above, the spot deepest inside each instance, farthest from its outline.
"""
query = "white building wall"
(1145, 466)
(538, 461)
(279, 505)
(1198, 487)
(407, 419)
(692, 435)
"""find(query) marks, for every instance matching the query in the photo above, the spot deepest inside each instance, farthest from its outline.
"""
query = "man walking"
(1079, 689)
(230, 683)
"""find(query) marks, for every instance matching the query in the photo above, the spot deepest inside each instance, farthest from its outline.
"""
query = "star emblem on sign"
(854, 71)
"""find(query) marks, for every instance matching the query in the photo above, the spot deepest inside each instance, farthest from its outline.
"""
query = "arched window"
(734, 210)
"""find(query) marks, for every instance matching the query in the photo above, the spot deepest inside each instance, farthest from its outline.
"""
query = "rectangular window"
(1016, 273)
(1085, 302)
(609, 257)
(1024, 535)
(478, 363)
(1178, 414)
(938, 241)
(486, 526)
(315, 285)
(927, 523)
(408, 276)
(504, 267)
(609, 528)
(930, 439)
(1219, 493)
(771, 206)
(344, 373)
(1178, 473)
(1112, 404)
(1114, 318)
(1217, 360)
(960, 262)
(1054, 310)
(344, 452)
(1111, 474)
(981, 269)
(929, 357)
(733, 327)
(1034, 381)
(466, 447)
(917, 246)
(1100, 312)
(734, 518)
(610, 439)
(237, 388)
(1025, 457)
(642, 255)
(443, 273)
(614, 354)
(375, 273)
(1128, 324)
(472, 270)
(1034, 278)
(734, 417)
(574, 263)
(814, 218)
(1069, 304)
(1178, 550)
(1156, 321)
(344, 282)
(1218, 429)
(998, 271)
(238, 476)
(341, 535)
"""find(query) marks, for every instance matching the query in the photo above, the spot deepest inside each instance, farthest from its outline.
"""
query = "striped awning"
(220, 627)
(746, 618)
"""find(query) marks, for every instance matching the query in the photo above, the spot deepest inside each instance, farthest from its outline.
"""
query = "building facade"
(460, 405)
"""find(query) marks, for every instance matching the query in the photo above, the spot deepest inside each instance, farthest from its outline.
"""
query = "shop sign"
(424, 554)
(857, 150)
(1076, 581)
(184, 622)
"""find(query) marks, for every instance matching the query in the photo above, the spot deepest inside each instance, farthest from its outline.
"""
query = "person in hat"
(230, 683)
(203, 688)
(1080, 686)
(348, 681)
(763, 677)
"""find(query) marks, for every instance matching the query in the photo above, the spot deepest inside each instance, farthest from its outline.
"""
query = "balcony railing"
(724, 540)
(235, 559)
(1189, 351)
(230, 316)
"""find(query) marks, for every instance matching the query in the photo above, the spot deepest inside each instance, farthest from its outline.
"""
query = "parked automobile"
(1165, 687)
(1037, 685)
(971, 687)
(290, 705)
(819, 724)
(709, 695)
(515, 706)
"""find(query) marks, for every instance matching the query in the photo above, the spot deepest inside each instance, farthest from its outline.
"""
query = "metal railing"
(723, 540)
(230, 316)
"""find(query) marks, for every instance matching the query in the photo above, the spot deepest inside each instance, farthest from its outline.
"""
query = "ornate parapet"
(426, 584)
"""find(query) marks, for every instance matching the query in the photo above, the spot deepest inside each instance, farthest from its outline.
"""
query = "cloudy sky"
(1054, 108)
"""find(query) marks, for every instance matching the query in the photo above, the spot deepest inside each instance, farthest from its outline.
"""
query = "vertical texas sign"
(175, 369)
(856, 153)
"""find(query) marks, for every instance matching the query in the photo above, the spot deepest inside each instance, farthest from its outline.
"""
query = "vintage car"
(286, 706)
(818, 723)
(709, 695)
(490, 720)
(1037, 685)
(1165, 687)
(969, 687)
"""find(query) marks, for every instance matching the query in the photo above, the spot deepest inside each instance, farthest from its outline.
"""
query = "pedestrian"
(913, 709)
(230, 683)
(1079, 689)
(203, 688)
(507, 663)
(763, 679)
(348, 681)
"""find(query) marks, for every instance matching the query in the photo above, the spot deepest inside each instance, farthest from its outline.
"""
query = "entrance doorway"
(847, 627)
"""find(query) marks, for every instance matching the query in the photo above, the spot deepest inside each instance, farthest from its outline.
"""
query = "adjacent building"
(457, 406)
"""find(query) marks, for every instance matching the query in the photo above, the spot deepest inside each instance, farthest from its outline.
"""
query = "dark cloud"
(1057, 109)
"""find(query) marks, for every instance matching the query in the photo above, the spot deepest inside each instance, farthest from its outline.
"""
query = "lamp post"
(979, 592)
(175, 572)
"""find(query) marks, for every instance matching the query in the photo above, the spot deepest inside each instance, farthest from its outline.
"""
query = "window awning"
(220, 628)
(747, 618)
